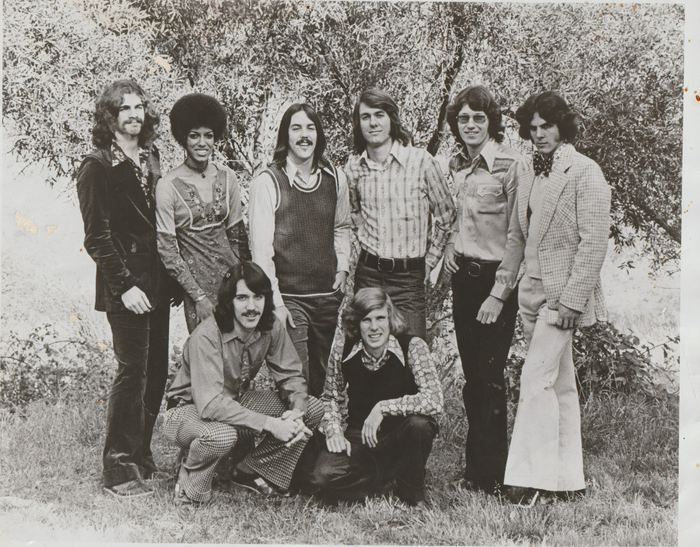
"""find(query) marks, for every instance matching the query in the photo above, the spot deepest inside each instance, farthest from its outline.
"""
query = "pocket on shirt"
(491, 199)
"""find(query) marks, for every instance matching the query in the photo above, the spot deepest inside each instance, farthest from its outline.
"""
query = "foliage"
(45, 367)
(606, 361)
(620, 66)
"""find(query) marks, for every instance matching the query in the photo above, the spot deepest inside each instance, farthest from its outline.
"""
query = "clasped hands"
(289, 428)
(338, 443)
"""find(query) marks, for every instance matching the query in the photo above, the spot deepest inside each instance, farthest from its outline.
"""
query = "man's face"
(473, 128)
(375, 125)
(130, 116)
(375, 330)
(302, 138)
(200, 143)
(247, 307)
(545, 135)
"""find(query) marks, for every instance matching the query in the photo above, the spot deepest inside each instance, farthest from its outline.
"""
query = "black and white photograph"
(350, 272)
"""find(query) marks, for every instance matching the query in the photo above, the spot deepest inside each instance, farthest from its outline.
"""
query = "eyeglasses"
(478, 118)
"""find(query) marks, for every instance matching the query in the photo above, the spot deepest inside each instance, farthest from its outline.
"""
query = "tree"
(621, 67)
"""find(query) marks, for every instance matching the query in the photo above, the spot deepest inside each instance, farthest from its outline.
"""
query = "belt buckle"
(379, 264)
(474, 269)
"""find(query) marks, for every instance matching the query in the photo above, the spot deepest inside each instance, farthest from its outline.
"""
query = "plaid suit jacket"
(573, 234)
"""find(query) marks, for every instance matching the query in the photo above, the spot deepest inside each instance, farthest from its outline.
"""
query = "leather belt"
(392, 265)
(475, 267)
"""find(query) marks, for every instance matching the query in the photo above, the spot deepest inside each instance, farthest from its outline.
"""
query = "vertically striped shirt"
(392, 204)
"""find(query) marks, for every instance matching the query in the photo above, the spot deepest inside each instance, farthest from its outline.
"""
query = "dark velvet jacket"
(120, 229)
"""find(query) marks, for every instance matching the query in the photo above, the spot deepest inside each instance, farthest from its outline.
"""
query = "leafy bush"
(44, 366)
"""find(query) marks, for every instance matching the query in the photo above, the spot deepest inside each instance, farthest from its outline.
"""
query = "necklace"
(196, 169)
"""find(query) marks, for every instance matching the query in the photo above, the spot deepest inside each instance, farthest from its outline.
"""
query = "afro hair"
(197, 110)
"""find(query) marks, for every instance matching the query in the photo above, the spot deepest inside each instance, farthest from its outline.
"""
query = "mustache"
(251, 314)
(138, 120)
(304, 141)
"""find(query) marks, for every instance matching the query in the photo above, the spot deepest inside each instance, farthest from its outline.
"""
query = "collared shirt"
(263, 198)
(392, 204)
(537, 196)
(141, 170)
(428, 400)
(486, 189)
(213, 365)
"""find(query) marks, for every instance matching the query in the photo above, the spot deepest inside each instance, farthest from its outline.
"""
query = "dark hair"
(478, 98)
(553, 109)
(376, 98)
(107, 112)
(365, 301)
(197, 110)
(257, 281)
(279, 156)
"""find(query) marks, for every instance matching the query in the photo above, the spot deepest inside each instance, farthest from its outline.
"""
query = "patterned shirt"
(392, 204)
(427, 401)
(485, 189)
(141, 170)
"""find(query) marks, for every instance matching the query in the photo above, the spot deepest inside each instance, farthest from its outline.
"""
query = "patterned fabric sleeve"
(442, 208)
(429, 399)
(167, 240)
(238, 240)
(334, 398)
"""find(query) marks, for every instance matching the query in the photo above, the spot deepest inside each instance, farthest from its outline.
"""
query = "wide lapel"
(524, 190)
(129, 184)
(557, 181)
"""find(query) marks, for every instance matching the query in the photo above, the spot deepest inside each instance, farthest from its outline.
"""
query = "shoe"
(131, 489)
(181, 499)
(465, 485)
(420, 505)
(257, 484)
(523, 497)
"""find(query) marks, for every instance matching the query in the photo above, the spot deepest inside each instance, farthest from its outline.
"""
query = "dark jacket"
(120, 229)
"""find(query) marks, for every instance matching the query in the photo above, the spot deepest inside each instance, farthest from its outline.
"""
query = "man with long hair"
(300, 236)
(116, 184)
(561, 228)
(211, 404)
(397, 192)
(384, 385)
(485, 176)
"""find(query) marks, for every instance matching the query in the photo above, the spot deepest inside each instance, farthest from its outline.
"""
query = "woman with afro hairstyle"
(198, 209)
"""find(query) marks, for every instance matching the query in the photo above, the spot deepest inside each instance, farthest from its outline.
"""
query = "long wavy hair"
(365, 301)
(279, 156)
(257, 281)
(107, 111)
(376, 98)
(553, 109)
(479, 99)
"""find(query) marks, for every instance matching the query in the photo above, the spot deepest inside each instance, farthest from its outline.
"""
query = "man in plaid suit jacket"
(561, 233)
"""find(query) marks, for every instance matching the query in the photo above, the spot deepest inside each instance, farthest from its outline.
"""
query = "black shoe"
(257, 484)
(523, 497)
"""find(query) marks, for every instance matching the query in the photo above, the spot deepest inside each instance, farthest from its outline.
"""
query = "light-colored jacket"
(573, 234)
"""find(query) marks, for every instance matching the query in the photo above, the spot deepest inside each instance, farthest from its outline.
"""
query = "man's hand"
(285, 316)
(136, 300)
(204, 308)
(338, 443)
(286, 430)
(371, 426)
(490, 310)
(340, 281)
(428, 269)
(568, 318)
(449, 259)
(294, 414)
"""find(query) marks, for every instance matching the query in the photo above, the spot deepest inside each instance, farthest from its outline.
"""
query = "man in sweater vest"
(389, 386)
(300, 237)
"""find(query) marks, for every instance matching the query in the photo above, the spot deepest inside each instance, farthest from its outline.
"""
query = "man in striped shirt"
(397, 192)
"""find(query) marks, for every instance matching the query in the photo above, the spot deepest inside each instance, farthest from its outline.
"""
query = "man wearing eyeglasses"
(485, 175)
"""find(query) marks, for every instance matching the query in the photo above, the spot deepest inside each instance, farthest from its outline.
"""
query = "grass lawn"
(50, 488)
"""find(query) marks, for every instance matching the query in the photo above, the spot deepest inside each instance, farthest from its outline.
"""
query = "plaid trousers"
(210, 441)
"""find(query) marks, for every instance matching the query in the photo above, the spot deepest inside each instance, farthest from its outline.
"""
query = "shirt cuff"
(501, 291)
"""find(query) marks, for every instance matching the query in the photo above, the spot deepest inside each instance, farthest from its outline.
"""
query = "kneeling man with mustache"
(211, 405)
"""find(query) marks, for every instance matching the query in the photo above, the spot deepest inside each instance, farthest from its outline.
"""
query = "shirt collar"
(393, 346)
(292, 171)
(118, 155)
(240, 336)
(398, 151)
(562, 153)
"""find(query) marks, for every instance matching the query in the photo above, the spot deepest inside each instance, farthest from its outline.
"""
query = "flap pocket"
(491, 198)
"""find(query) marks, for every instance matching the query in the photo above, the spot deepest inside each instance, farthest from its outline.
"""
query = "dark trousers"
(403, 447)
(315, 319)
(406, 290)
(141, 349)
(483, 350)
